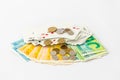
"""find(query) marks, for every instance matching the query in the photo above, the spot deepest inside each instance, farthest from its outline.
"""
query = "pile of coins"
(60, 30)
(58, 46)
(48, 42)
(65, 52)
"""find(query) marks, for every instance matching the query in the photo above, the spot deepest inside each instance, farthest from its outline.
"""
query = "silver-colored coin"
(62, 52)
(53, 53)
(60, 31)
(72, 53)
(55, 57)
(72, 58)
(65, 57)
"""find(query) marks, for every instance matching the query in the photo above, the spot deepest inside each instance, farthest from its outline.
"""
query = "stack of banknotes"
(90, 49)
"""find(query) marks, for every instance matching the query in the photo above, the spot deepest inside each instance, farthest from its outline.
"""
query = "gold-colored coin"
(68, 50)
(52, 29)
(47, 42)
(61, 40)
(56, 49)
(64, 46)
(69, 31)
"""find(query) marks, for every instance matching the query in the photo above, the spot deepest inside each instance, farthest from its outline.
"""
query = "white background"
(101, 16)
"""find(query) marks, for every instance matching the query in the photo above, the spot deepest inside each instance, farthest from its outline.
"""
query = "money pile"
(83, 47)
(91, 49)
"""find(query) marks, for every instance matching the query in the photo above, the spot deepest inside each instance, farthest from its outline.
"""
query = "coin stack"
(60, 30)
(65, 52)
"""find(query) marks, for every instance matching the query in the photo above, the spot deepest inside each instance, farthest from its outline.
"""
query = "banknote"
(92, 48)
(17, 44)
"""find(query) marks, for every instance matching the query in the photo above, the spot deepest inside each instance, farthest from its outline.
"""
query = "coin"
(65, 57)
(52, 29)
(72, 53)
(72, 58)
(64, 46)
(56, 49)
(61, 40)
(62, 52)
(53, 53)
(68, 50)
(60, 31)
(55, 57)
(69, 31)
(47, 42)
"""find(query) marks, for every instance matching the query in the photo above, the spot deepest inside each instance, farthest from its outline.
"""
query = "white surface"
(101, 16)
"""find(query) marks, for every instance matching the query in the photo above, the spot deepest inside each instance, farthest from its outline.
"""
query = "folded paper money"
(83, 46)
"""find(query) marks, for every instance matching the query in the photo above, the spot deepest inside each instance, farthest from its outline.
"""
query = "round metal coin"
(47, 42)
(52, 29)
(60, 31)
(61, 40)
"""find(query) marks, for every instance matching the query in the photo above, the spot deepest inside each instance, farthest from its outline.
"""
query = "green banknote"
(91, 49)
